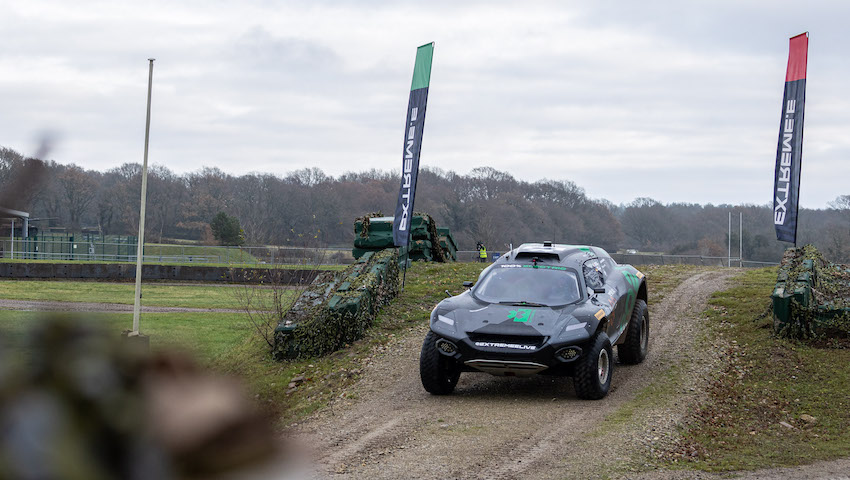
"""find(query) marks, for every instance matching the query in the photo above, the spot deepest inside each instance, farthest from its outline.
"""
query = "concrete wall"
(127, 272)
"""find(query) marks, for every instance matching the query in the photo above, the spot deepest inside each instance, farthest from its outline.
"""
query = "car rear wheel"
(439, 373)
(633, 350)
(592, 378)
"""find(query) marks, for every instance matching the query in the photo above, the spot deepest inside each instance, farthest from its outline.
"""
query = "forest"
(309, 208)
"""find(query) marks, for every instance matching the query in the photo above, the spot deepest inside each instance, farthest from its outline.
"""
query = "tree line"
(309, 208)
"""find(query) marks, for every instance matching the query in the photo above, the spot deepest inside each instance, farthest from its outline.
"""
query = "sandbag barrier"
(447, 242)
(338, 308)
(374, 232)
(811, 297)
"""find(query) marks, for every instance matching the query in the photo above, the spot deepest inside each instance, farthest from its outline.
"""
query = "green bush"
(225, 228)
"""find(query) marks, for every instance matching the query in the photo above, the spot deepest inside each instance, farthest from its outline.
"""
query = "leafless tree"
(79, 189)
(266, 300)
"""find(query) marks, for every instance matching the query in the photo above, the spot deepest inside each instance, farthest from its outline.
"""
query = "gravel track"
(496, 427)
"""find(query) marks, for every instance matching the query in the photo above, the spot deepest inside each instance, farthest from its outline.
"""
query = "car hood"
(504, 319)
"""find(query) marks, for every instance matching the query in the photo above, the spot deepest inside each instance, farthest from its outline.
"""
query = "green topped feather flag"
(413, 126)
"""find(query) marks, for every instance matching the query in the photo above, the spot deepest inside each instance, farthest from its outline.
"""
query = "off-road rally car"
(541, 308)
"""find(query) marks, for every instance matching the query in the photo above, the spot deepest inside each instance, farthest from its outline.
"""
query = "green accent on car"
(422, 68)
(631, 295)
(521, 315)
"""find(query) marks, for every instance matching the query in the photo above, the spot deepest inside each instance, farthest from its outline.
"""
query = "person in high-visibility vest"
(482, 252)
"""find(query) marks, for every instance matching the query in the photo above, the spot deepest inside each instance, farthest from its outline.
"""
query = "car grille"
(535, 340)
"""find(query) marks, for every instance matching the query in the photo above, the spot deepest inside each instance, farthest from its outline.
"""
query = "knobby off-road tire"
(634, 349)
(439, 373)
(592, 378)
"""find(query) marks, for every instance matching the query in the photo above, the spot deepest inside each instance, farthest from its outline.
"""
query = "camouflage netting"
(447, 241)
(338, 307)
(812, 296)
(374, 232)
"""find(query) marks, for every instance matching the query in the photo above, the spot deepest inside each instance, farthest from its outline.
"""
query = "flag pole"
(406, 260)
(789, 151)
(414, 125)
(137, 305)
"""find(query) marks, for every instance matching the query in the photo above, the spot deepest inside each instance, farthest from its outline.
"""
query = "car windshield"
(543, 284)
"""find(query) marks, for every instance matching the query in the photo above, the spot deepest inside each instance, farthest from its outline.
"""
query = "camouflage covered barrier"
(374, 232)
(447, 242)
(338, 308)
(812, 296)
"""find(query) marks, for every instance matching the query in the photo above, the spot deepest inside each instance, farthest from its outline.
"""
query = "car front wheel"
(439, 373)
(592, 378)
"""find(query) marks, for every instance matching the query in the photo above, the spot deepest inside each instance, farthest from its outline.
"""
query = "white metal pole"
(741, 239)
(729, 254)
(141, 240)
(12, 238)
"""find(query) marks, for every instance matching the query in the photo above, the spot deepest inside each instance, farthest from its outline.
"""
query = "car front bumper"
(511, 357)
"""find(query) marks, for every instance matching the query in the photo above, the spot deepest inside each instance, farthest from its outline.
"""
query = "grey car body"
(541, 308)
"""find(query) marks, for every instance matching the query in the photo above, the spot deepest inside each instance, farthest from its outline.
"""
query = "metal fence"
(662, 259)
(123, 249)
(69, 247)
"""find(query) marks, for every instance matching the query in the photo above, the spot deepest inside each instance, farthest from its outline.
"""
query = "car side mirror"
(467, 284)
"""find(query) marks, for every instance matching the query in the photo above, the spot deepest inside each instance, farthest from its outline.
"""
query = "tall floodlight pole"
(729, 253)
(139, 252)
(740, 239)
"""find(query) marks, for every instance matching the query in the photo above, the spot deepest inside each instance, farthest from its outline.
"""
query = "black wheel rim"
(644, 334)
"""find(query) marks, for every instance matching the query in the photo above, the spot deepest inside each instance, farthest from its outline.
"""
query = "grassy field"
(206, 335)
(155, 295)
(224, 254)
(187, 264)
(778, 402)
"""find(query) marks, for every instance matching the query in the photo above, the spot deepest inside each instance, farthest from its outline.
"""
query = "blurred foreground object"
(17, 193)
(76, 404)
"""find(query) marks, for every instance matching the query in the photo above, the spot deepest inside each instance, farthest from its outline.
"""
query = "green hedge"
(337, 309)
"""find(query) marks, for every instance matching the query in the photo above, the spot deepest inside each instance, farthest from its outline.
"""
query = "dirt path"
(56, 306)
(495, 427)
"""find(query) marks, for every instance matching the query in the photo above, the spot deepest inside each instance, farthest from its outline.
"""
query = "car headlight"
(446, 347)
(446, 320)
(569, 354)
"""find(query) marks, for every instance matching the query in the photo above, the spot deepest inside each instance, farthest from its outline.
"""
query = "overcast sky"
(674, 100)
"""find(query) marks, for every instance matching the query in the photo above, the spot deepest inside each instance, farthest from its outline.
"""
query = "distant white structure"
(15, 214)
